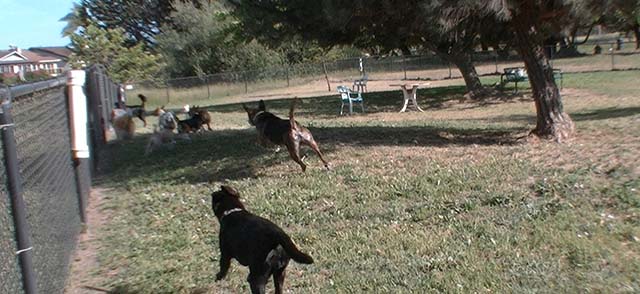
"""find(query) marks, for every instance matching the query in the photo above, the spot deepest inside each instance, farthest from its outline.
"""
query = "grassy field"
(448, 200)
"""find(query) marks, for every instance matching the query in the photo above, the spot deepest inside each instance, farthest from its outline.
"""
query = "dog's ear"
(162, 107)
(230, 191)
(261, 105)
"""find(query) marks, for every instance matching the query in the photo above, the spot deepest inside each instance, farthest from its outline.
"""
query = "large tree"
(141, 20)
(532, 21)
(387, 24)
(624, 15)
(204, 40)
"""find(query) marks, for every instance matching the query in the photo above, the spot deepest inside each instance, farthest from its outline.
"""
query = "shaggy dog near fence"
(122, 121)
(253, 241)
(287, 132)
(166, 120)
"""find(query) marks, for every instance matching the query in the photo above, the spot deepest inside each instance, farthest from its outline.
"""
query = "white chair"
(347, 96)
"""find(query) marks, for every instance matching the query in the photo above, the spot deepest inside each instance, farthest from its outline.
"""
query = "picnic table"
(409, 92)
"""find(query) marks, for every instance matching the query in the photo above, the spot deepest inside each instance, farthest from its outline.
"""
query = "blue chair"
(347, 96)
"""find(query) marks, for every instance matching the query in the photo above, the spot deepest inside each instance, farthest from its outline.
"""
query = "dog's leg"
(142, 118)
(225, 262)
(262, 141)
(209, 127)
(258, 282)
(314, 146)
(294, 151)
(278, 280)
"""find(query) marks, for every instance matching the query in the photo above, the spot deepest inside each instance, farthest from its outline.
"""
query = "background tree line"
(181, 38)
(199, 37)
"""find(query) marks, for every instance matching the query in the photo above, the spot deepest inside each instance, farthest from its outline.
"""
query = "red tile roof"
(38, 55)
(60, 51)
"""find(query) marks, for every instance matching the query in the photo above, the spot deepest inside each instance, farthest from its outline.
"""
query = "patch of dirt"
(84, 262)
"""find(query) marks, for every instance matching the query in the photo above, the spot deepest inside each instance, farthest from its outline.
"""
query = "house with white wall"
(52, 60)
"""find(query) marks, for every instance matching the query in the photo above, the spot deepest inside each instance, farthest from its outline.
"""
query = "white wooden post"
(79, 136)
(78, 114)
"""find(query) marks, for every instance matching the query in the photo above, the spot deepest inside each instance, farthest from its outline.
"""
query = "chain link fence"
(102, 96)
(317, 79)
(49, 188)
(10, 276)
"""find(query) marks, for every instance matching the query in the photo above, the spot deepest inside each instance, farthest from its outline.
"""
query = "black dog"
(138, 110)
(190, 125)
(253, 241)
(288, 132)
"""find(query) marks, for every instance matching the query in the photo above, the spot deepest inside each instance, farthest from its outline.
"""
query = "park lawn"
(449, 200)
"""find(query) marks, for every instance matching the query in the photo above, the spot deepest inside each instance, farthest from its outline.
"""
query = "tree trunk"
(464, 63)
(552, 122)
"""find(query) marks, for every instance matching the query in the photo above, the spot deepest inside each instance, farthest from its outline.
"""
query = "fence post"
(404, 66)
(79, 143)
(326, 75)
(167, 91)
(18, 209)
(287, 75)
(612, 57)
(449, 65)
(246, 83)
(206, 81)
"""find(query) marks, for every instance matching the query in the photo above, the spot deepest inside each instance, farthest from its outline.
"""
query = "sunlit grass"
(442, 201)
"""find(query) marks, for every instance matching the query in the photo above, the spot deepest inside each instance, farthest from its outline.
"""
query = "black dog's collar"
(230, 211)
(257, 114)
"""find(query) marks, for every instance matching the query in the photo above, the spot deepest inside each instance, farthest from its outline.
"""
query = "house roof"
(32, 56)
(60, 51)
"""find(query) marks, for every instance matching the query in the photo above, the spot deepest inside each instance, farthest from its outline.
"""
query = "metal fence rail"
(46, 186)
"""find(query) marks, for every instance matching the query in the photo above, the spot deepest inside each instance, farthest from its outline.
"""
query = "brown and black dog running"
(277, 131)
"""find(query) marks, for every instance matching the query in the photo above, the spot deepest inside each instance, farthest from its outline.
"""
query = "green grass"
(442, 201)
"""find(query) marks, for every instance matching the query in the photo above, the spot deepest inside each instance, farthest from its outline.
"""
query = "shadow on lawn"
(234, 154)
(606, 113)
(597, 114)
(329, 106)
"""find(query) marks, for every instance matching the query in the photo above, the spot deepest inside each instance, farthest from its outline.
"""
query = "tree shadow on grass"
(234, 154)
(374, 102)
(425, 136)
(606, 113)
(598, 114)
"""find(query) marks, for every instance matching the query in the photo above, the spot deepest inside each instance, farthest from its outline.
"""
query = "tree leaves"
(95, 45)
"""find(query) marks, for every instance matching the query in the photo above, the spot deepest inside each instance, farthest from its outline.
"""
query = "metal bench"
(519, 74)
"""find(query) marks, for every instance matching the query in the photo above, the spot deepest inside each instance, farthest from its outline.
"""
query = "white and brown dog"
(164, 134)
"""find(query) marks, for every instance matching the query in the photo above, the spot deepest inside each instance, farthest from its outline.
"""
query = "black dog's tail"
(294, 252)
(143, 98)
(292, 122)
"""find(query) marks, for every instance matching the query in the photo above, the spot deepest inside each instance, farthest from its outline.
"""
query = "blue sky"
(33, 23)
